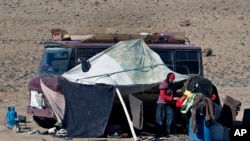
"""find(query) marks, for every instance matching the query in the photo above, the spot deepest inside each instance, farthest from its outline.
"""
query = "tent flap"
(87, 108)
(136, 106)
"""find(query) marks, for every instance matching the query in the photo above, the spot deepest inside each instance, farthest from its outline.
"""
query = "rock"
(207, 52)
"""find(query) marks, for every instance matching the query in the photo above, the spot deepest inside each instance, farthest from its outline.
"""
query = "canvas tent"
(125, 68)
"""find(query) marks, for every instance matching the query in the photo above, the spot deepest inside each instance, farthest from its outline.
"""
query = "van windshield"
(54, 61)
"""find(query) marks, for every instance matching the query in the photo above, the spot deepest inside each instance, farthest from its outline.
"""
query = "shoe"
(52, 130)
(61, 133)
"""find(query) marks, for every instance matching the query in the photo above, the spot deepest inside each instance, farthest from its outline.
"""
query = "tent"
(125, 68)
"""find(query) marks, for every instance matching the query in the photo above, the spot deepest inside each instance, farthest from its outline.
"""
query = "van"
(59, 56)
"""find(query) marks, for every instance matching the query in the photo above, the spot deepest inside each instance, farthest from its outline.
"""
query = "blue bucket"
(11, 117)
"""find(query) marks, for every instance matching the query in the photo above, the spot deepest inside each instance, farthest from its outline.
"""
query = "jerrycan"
(11, 117)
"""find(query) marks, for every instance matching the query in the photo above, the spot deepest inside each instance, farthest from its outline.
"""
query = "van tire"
(45, 122)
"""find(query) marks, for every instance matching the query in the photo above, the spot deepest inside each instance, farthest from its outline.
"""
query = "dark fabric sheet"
(136, 106)
(229, 111)
(246, 117)
(198, 84)
(87, 108)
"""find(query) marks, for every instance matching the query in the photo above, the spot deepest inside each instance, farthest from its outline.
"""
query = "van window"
(64, 59)
(187, 62)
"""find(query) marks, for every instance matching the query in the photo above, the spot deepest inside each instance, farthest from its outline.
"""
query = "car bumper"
(48, 113)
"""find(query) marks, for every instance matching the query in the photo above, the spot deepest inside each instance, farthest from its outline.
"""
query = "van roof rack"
(157, 37)
(171, 38)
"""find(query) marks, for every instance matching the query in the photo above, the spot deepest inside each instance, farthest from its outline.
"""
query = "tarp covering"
(56, 101)
(130, 66)
(87, 108)
(128, 63)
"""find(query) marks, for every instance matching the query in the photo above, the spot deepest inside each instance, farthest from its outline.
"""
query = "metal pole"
(127, 115)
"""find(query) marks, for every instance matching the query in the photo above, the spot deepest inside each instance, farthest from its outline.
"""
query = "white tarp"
(130, 65)
(56, 101)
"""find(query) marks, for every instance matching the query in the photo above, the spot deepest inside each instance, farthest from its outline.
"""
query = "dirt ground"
(222, 25)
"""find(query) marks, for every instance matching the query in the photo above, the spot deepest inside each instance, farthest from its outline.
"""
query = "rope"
(110, 74)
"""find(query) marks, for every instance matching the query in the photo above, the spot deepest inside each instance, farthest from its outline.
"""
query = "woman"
(165, 112)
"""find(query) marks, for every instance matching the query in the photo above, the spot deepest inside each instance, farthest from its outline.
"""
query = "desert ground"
(221, 25)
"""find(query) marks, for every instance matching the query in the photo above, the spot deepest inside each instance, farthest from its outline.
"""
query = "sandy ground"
(222, 25)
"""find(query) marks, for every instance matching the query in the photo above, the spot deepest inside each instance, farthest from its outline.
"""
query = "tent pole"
(127, 115)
